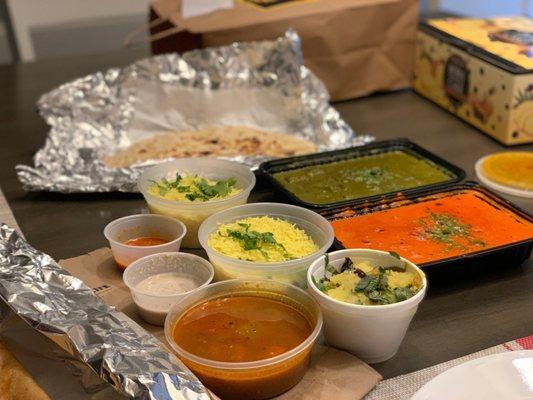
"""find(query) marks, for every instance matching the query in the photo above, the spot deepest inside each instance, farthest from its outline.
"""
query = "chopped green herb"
(402, 294)
(198, 190)
(328, 267)
(320, 286)
(395, 255)
(372, 177)
(446, 229)
(374, 285)
(253, 240)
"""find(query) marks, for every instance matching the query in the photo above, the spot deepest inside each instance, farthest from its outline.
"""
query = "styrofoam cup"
(371, 332)
(142, 225)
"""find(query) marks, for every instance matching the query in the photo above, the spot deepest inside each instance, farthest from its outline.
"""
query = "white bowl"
(371, 332)
(293, 271)
(139, 225)
(153, 308)
(192, 214)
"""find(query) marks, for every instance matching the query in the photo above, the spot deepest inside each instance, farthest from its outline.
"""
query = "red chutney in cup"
(146, 241)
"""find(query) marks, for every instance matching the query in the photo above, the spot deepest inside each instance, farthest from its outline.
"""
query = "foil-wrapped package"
(263, 85)
(99, 340)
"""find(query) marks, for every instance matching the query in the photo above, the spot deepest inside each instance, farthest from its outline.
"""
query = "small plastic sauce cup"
(192, 214)
(371, 332)
(292, 271)
(123, 229)
(261, 379)
(153, 307)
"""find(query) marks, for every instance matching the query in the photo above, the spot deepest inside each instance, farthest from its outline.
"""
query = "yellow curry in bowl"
(359, 282)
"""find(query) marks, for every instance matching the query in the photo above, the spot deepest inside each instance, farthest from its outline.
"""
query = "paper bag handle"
(129, 39)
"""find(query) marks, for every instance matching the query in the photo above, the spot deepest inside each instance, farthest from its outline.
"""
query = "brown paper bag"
(333, 374)
(355, 46)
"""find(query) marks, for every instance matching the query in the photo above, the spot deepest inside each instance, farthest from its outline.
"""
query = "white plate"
(497, 186)
(504, 376)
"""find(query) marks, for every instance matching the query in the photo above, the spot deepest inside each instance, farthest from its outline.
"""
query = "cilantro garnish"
(254, 240)
(371, 177)
(319, 284)
(374, 285)
(446, 229)
(197, 190)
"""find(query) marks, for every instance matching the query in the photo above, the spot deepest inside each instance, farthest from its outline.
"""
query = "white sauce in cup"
(168, 283)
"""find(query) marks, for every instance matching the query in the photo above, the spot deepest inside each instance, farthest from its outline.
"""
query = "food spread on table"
(358, 177)
(256, 343)
(262, 239)
(194, 188)
(220, 141)
(359, 282)
(424, 231)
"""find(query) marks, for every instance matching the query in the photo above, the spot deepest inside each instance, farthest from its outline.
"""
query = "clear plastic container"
(371, 332)
(193, 214)
(256, 379)
(153, 307)
(293, 271)
(142, 225)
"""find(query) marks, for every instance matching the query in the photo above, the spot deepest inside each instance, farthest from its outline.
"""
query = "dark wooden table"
(458, 317)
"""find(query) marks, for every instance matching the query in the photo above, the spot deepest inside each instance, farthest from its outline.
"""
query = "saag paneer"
(361, 177)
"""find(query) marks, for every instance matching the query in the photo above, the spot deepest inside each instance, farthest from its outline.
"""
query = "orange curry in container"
(435, 228)
(252, 345)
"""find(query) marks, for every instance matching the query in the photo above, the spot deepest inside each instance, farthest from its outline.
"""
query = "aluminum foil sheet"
(263, 85)
(98, 338)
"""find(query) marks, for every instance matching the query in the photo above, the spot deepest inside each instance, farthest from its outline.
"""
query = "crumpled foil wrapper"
(258, 84)
(98, 338)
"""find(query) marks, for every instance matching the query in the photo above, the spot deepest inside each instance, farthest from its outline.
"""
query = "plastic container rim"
(144, 216)
(194, 205)
(129, 270)
(267, 362)
(279, 264)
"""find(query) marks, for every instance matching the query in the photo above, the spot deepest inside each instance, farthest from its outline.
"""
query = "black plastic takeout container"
(508, 254)
(269, 168)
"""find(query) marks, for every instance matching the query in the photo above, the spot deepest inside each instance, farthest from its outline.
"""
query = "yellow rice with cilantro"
(262, 239)
(193, 188)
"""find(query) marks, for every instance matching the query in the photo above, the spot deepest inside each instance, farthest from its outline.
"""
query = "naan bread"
(212, 142)
(15, 382)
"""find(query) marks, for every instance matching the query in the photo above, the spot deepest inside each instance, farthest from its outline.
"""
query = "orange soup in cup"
(246, 345)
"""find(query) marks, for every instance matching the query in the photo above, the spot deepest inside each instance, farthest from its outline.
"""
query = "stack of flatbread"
(15, 382)
(212, 142)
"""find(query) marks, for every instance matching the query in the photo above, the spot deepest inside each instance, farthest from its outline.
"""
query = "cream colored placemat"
(333, 374)
(6, 215)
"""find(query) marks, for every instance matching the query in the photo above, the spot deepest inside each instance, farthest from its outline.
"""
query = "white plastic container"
(293, 271)
(371, 332)
(142, 225)
(153, 307)
(192, 214)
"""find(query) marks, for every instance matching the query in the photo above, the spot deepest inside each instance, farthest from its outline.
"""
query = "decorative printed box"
(480, 70)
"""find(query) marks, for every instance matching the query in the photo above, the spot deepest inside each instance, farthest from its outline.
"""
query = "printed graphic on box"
(494, 100)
